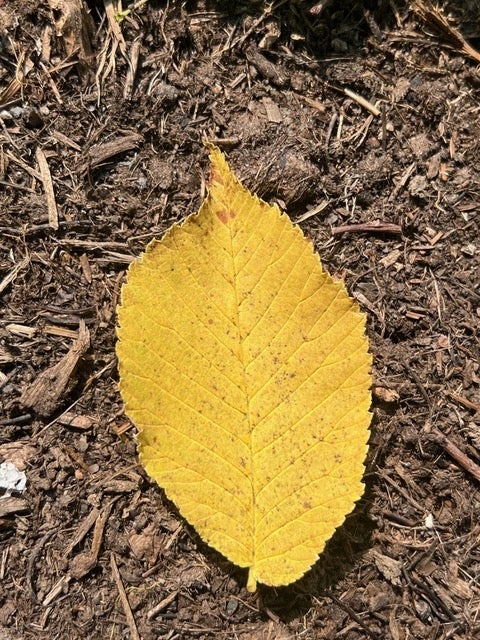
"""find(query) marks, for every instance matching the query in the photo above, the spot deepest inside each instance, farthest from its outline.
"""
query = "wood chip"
(391, 258)
(84, 562)
(266, 68)
(21, 330)
(104, 151)
(45, 393)
(82, 530)
(63, 139)
(70, 419)
(10, 505)
(273, 112)
(63, 332)
(86, 268)
(48, 188)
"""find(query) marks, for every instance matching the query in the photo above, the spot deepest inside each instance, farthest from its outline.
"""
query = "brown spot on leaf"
(215, 176)
(224, 215)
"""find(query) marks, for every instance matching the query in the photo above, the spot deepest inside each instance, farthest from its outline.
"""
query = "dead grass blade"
(435, 17)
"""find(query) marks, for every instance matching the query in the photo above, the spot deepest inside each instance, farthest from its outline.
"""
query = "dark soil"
(116, 118)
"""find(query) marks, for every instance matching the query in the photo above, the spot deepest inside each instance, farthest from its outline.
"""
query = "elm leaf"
(245, 368)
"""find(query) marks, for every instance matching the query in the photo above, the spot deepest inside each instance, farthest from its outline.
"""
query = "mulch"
(362, 121)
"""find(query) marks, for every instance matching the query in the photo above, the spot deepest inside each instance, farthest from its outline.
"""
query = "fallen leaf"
(246, 370)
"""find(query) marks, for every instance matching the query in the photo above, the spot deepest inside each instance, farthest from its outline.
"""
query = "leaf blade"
(260, 369)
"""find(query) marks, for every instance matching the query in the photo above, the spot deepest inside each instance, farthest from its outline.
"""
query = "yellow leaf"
(245, 368)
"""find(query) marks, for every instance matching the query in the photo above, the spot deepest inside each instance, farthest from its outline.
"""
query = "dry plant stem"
(114, 26)
(368, 227)
(457, 454)
(123, 597)
(132, 70)
(32, 172)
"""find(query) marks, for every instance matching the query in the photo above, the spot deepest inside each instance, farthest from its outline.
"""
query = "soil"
(102, 120)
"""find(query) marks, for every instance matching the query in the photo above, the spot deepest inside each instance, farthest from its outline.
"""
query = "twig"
(368, 227)
(123, 597)
(457, 454)
(36, 551)
(162, 605)
(363, 102)
(402, 492)
(466, 403)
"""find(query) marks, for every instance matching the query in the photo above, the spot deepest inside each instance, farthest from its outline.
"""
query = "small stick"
(368, 227)
(457, 454)
(162, 605)
(36, 551)
(466, 403)
(123, 597)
